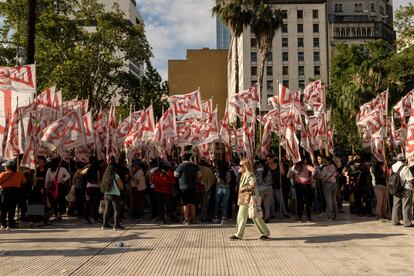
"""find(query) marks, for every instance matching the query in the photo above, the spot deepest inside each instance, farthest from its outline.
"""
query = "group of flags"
(291, 111)
(41, 124)
(379, 129)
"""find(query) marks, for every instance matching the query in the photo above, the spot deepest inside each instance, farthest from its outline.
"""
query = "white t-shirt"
(405, 174)
(139, 181)
(61, 177)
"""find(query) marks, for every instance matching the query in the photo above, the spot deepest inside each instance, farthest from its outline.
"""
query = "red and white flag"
(402, 109)
(125, 127)
(142, 131)
(287, 96)
(249, 97)
(307, 143)
(65, 133)
(88, 129)
(210, 129)
(12, 150)
(148, 125)
(267, 135)
(247, 141)
(100, 125)
(377, 148)
(225, 127)
(184, 134)
(187, 105)
(207, 107)
(166, 126)
(29, 155)
(110, 142)
(68, 106)
(291, 144)
(409, 142)
(315, 97)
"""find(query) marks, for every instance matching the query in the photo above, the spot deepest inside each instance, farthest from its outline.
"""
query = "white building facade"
(299, 53)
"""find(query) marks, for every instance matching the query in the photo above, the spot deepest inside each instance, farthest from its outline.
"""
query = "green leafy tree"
(80, 47)
(404, 24)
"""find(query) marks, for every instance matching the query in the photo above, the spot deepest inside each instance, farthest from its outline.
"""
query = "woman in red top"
(163, 180)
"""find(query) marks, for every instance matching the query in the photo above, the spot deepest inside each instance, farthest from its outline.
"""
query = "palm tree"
(265, 22)
(235, 16)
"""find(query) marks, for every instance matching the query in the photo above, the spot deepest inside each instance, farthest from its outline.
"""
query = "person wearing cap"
(10, 183)
(403, 203)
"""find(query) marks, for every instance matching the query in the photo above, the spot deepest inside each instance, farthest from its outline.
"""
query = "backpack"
(395, 183)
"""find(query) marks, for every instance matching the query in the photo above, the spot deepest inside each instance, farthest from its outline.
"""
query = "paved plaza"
(350, 246)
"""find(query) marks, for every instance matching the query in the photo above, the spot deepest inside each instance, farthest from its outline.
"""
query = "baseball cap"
(10, 163)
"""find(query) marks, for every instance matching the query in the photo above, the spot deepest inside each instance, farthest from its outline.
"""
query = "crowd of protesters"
(163, 191)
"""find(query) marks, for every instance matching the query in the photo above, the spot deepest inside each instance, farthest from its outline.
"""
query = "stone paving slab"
(350, 246)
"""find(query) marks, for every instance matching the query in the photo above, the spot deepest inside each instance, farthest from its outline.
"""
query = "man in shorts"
(188, 174)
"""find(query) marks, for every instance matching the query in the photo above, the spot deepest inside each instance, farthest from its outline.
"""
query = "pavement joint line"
(97, 253)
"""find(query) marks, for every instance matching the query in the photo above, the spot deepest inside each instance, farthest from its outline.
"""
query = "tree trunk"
(31, 32)
(236, 66)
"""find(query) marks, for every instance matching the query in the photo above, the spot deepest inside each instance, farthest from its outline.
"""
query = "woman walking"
(246, 189)
(112, 186)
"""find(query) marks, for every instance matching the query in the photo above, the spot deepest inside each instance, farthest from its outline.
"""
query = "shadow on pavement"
(338, 238)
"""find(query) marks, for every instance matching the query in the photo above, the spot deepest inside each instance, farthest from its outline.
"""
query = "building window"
(285, 70)
(382, 10)
(316, 57)
(300, 14)
(285, 56)
(317, 70)
(358, 7)
(301, 84)
(338, 7)
(253, 42)
(316, 42)
(316, 28)
(285, 42)
(285, 83)
(253, 83)
(315, 14)
(269, 71)
(300, 42)
(300, 28)
(269, 57)
(254, 70)
(301, 70)
(301, 56)
(372, 7)
(284, 28)
(253, 57)
(269, 84)
(284, 14)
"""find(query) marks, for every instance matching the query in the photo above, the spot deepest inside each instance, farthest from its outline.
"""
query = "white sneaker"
(2, 228)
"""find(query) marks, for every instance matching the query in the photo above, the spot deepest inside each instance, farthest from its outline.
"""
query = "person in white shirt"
(55, 179)
(403, 203)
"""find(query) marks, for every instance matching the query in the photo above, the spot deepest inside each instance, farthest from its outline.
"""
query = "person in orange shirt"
(10, 182)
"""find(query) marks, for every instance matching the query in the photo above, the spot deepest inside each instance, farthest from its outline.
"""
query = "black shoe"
(264, 238)
(233, 237)
(286, 216)
(267, 220)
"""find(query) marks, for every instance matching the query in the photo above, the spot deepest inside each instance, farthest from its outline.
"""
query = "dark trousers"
(286, 193)
(362, 202)
(8, 208)
(137, 202)
(115, 201)
(154, 206)
(92, 205)
(304, 195)
(80, 202)
(163, 200)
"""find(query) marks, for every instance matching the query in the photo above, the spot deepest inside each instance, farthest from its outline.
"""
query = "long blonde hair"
(247, 164)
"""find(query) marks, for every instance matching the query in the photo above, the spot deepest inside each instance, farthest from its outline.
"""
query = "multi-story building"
(360, 21)
(132, 15)
(299, 52)
(223, 36)
(205, 69)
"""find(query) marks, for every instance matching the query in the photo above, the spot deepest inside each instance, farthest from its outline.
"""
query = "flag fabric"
(65, 133)
(267, 135)
(247, 143)
(307, 143)
(184, 133)
(314, 96)
(88, 129)
(249, 97)
(12, 150)
(110, 142)
(187, 105)
(225, 127)
(125, 127)
(68, 106)
(376, 144)
(166, 126)
(207, 107)
(409, 142)
(100, 125)
(287, 96)
(29, 155)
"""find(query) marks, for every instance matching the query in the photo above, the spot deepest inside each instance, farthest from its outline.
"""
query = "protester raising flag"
(110, 141)
(314, 96)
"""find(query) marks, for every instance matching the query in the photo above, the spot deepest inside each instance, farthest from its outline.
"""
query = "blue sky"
(173, 26)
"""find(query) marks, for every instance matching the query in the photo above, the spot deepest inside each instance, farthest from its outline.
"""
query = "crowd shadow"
(80, 252)
(337, 238)
(86, 240)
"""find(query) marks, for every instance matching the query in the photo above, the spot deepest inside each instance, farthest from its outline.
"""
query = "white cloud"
(173, 26)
